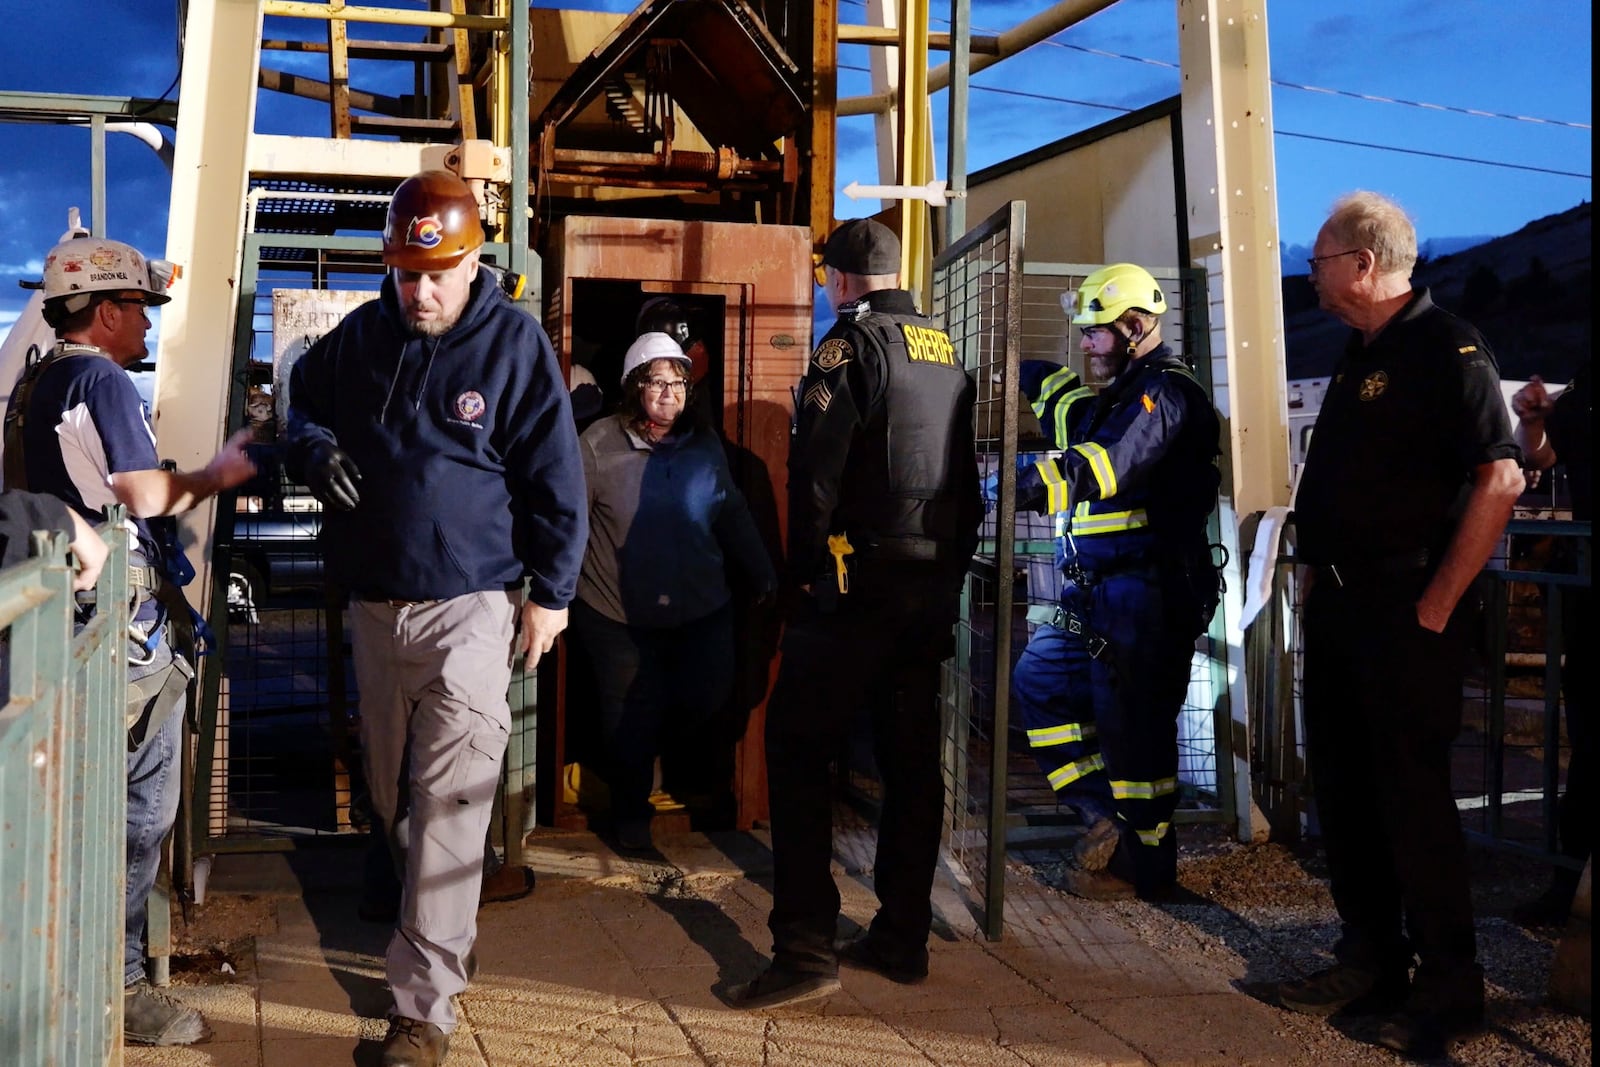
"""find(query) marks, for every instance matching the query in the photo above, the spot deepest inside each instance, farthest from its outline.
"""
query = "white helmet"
(649, 347)
(76, 268)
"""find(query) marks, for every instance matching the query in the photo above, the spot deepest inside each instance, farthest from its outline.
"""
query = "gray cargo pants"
(434, 722)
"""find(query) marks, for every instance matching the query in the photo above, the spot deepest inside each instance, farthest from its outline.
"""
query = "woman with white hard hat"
(654, 608)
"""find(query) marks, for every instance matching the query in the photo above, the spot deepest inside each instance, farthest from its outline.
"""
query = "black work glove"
(332, 476)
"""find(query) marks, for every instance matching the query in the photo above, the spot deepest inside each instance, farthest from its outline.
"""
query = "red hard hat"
(432, 223)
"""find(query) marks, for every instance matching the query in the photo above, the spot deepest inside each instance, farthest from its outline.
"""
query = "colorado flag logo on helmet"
(425, 232)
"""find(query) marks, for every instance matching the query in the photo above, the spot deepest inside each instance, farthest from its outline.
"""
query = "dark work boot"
(1440, 1009)
(779, 986)
(1345, 988)
(866, 952)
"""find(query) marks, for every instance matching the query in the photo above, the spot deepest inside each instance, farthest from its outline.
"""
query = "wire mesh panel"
(279, 756)
(978, 296)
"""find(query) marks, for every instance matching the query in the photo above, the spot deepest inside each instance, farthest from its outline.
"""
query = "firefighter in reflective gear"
(1100, 686)
(883, 519)
(76, 429)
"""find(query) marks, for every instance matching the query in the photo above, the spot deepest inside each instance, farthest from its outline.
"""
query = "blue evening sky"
(1459, 174)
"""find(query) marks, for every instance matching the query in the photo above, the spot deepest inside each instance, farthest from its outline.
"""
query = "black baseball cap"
(862, 246)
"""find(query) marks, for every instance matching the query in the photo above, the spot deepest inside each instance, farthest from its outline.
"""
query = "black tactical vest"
(910, 489)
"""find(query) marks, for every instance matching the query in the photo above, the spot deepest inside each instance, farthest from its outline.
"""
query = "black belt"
(1368, 570)
(1071, 622)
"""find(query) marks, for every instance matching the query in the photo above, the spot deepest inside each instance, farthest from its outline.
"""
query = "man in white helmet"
(76, 429)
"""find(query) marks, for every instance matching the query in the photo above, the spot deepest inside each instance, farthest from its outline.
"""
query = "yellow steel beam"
(916, 149)
(307, 9)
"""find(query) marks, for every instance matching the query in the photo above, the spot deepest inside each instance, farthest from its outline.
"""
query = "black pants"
(879, 649)
(1576, 820)
(653, 683)
(1382, 707)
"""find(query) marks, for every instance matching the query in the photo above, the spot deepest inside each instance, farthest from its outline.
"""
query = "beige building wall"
(1106, 195)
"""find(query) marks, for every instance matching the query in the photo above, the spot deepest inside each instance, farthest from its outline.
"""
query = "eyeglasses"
(662, 385)
(139, 302)
(1316, 261)
(1092, 332)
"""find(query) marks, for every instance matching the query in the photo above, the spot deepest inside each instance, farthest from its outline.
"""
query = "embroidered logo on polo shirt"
(1373, 385)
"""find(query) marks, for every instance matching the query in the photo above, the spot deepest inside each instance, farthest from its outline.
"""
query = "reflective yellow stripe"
(1060, 379)
(1057, 493)
(1064, 410)
(1153, 837)
(1144, 790)
(1059, 735)
(1085, 524)
(1065, 776)
(1055, 409)
(1099, 466)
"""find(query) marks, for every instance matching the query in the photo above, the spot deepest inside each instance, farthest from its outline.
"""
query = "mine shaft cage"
(999, 309)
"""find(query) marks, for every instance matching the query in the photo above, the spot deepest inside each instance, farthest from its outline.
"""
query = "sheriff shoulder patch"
(819, 396)
(832, 353)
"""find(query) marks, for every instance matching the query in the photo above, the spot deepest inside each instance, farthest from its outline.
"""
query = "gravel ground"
(1262, 913)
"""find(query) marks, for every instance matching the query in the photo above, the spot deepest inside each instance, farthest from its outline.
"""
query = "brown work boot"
(151, 1017)
(413, 1043)
(1094, 849)
(510, 882)
(1096, 885)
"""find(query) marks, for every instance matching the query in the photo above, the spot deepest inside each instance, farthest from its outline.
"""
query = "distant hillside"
(1529, 292)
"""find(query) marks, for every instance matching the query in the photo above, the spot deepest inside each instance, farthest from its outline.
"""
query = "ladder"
(442, 104)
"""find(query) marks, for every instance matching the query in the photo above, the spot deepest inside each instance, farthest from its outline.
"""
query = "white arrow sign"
(933, 192)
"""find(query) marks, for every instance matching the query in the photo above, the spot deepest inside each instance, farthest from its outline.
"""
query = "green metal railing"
(63, 801)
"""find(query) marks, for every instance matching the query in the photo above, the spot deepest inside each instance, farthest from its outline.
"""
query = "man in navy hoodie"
(434, 425)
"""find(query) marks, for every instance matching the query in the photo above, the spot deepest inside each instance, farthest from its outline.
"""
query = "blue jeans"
(153, 788)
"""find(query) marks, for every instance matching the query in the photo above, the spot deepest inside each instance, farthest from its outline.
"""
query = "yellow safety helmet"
(1110, 291)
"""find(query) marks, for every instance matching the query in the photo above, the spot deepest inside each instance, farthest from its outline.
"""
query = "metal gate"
(63, 803)
(999, 309)
(977, 293)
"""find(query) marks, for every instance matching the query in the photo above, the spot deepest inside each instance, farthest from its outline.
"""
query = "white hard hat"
(85, 265)
(652, 346)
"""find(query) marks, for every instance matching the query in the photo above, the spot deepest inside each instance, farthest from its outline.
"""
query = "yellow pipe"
(302, 9)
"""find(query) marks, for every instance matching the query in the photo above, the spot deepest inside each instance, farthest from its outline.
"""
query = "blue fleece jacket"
(470, 476)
